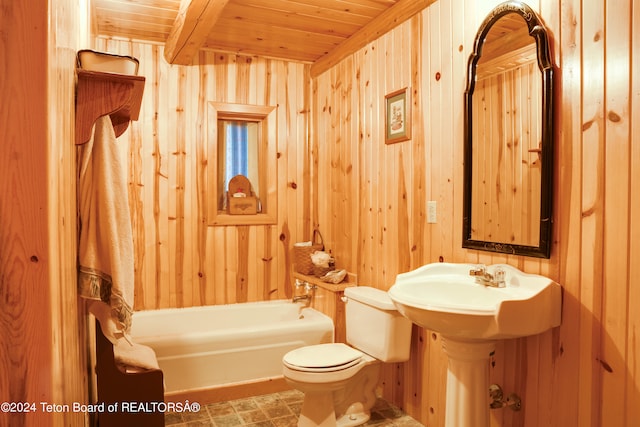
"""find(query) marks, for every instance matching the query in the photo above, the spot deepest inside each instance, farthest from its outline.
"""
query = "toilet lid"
(323, 356)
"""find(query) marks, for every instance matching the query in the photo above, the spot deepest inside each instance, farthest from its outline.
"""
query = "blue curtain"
(237, 151)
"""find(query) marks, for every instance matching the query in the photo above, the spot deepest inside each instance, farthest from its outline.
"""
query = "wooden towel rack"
(97, 94)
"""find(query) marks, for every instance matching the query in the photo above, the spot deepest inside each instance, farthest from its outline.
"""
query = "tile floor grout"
(274, 410)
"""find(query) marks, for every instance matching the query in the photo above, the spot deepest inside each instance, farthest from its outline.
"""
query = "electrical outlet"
(431, 212)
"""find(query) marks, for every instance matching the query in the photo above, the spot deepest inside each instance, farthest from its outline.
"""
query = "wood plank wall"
(369, 199)
(180, 261)
(41, 329)
(583, 373)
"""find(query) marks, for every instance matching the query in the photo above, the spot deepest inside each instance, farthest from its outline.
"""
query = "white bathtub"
(202, 347)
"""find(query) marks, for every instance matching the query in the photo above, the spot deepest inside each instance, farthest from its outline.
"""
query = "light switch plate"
(431, 212)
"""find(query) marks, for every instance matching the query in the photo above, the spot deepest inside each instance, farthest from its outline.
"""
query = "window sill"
(223, 219)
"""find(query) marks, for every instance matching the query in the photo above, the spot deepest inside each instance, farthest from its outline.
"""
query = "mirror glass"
(508, 135)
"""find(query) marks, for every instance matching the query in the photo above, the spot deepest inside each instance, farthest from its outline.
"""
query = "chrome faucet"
(304, 297)
(309, 290)
(483, 277)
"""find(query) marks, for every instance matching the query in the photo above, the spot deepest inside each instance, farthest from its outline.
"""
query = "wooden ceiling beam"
(388, 20)
(192, 26)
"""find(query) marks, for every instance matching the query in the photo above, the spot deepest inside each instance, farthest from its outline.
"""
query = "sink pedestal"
(467, 401)
(471, 317)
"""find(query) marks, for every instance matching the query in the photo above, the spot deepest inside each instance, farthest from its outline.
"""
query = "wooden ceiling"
(298, 30)
(506, 46)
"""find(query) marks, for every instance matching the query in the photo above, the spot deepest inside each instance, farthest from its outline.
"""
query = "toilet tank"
(374, 326)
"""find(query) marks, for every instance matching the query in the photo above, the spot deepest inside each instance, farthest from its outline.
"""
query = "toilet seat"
(322, 358)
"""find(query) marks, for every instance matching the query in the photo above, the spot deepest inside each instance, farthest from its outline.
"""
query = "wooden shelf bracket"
(98, 94)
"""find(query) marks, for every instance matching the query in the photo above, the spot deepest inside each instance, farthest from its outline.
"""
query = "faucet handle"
(480, 270)
(499, 276)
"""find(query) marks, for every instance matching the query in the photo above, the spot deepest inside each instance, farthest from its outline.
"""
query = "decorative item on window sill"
(241, 199)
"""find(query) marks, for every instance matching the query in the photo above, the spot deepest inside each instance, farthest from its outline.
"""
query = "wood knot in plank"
(605, 365)
(587, 125)
(588, 212)
(614, 117)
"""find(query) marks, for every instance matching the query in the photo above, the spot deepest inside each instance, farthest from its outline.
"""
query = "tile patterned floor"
(274, 410)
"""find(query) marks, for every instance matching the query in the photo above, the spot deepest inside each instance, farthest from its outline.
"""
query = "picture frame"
(397, 123)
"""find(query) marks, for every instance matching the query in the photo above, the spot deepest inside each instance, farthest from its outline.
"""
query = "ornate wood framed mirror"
(508, 135)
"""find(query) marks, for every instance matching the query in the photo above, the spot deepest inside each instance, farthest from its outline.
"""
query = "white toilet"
(339, 381)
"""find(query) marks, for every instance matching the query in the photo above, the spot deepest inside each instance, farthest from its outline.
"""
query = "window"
(238, 154)
(241, 140)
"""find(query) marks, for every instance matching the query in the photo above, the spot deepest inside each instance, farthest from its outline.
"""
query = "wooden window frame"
(267, 118)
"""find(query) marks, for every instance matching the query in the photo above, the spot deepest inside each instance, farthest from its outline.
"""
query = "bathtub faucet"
(309, 290)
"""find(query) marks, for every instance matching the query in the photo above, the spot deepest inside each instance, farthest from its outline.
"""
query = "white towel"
(131, 357)
(105, 250)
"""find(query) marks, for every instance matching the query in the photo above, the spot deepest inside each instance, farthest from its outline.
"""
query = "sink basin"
(471, 317)
(445, 298)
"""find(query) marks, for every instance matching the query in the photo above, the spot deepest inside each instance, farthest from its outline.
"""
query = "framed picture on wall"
(397, 122)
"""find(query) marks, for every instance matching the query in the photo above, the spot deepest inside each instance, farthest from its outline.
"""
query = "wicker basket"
(302, 254)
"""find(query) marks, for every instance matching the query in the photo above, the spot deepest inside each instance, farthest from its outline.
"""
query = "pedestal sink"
(472, 307)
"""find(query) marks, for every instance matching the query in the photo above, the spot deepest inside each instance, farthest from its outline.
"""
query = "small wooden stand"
(328, 300)
(116, 387)
(97, 94)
